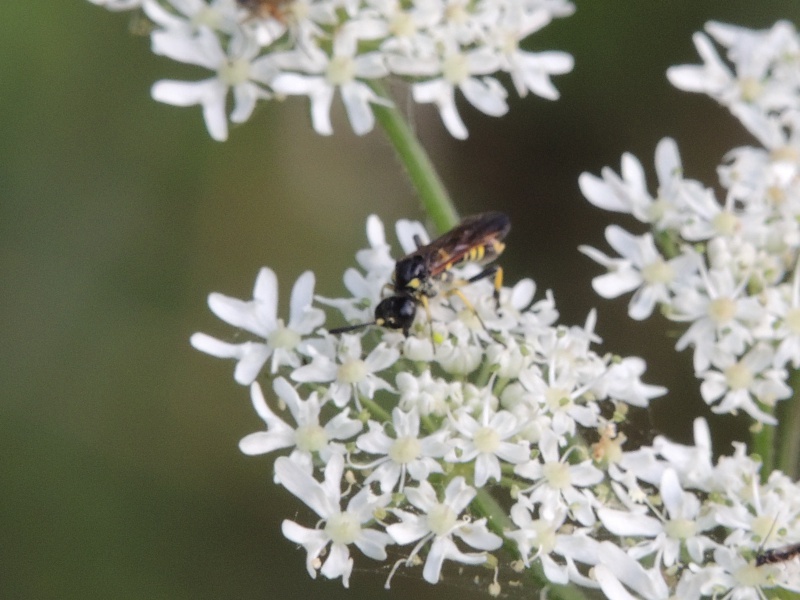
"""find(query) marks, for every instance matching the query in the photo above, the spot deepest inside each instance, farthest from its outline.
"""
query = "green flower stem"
(499, 521)
(434, 197)
(376, 409)
(787, 432)
(764, 447)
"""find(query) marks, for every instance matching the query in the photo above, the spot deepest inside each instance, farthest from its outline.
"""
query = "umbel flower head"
(726, 265)
(494, 441)
(257, 50)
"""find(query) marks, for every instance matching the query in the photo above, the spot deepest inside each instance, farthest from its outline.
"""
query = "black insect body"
(418, 275)
(776, 555)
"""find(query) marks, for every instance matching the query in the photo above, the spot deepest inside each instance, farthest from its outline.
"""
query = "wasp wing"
(477, 238)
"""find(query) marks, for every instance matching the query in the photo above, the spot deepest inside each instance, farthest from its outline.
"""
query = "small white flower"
(740, 384)
(320, 75)
(721, 314)
(406, 453)
(557, 482)
(348, 374)
(530, 71)
(486, 441)
(756, 85)
(461, 70)
(341, 527)
(440, 522)
(737, 575)
(542, 534)
(627, 192)
(239, 69)
(308, 437)
(681, 526)
(560, 396)
(641, 267)
(259, 316)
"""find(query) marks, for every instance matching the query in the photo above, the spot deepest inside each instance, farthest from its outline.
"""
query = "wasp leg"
(457, 292)
(497, 272)
(423, 299)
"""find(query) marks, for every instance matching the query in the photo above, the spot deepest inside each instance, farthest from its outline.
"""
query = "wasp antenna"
(347, 328)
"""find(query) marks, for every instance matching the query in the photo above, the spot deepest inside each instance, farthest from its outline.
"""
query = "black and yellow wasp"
(419, 275)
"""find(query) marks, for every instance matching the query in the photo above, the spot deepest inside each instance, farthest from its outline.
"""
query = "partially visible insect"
(417, 276)
(264, 8)
(776, 555)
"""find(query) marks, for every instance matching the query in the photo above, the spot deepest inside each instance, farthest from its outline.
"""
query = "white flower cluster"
(472, 433)
(727, 267)
(267, 49)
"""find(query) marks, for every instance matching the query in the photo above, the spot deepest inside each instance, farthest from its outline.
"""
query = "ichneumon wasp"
(418, 275)
(776, 555)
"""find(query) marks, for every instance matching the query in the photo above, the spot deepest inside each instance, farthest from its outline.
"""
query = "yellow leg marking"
(497, 271)
(457, 292)
(498, 285)
(424, 301)
(460, 295)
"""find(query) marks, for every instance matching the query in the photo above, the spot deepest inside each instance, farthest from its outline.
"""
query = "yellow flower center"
(341, 70)
(725, 223)
(405, 450)
(441, 519)
(751, 89)
(455, 69)
(557, 475)
(680, 529)
(738, 376)
(311, 438)
(722, 310)
(234, 71)
(659, 271)
(557, 398)
(343, 528)
(486, 440)
(283, 337)
(352, 371)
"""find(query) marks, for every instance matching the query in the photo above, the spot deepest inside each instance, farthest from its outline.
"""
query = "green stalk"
(435, 200)
(376, 409)
(764, 447)
(787, 431)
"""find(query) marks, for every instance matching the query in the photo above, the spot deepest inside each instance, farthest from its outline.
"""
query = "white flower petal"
(626, 523)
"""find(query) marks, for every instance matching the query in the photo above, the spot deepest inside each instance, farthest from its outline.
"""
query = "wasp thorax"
(410, 272)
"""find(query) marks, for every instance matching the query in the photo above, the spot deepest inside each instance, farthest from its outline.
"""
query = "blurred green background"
(119, 466)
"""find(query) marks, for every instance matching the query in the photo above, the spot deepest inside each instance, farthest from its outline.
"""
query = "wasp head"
(396, 312)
